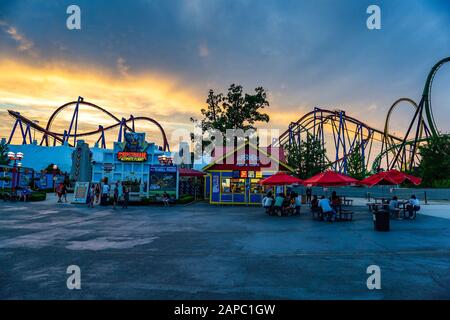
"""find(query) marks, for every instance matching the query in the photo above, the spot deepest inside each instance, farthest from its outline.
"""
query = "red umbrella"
(391, 177)
(280, 179)
(330, 178)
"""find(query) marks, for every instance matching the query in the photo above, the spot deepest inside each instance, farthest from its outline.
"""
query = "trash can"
(381, 220)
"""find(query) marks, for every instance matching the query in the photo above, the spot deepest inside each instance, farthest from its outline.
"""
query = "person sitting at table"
(335, 200)
(327, 211)
(314, 204)
(267, 202)
(393, 207)
(278, 206)
(413, 205)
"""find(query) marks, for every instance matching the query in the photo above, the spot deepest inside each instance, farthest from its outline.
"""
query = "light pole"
(16, 166)
(55, 167)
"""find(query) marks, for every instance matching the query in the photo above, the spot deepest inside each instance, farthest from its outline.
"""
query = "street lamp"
(55, 167)
(15, 157)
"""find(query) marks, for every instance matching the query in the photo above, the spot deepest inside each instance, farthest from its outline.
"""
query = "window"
(238, 185)
(226, 186)
(255, 187)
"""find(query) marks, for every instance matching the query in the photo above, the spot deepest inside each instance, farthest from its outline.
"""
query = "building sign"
(259, 174)
(128, 156)
(243, 174)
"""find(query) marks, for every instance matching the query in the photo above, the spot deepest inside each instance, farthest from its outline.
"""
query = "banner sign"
(127, 156)
(81, 192)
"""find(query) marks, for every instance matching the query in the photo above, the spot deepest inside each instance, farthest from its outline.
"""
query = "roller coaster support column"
(24, 133)
(74, 122)
(101, 139)
(132, 122)
(402, 147)
(122, 128)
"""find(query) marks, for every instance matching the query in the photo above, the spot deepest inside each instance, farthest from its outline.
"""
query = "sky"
(159, 58)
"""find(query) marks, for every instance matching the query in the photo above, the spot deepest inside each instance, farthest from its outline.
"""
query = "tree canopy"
(307, 158)
(4, 160)
(235, 110)
(434, 166)
(356, 167)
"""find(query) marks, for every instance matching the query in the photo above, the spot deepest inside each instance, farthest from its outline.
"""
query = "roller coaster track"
(352, 135)
(64, 137)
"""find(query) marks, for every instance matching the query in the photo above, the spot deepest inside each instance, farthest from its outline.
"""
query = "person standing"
(308, 194)
(115, 195)
(97, 193)
(105, 194)
(91, 196)
(120, 196)
(298, 203)
(126, 196)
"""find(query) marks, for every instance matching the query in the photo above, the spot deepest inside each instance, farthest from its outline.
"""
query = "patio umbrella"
(391, 177)
(329, 179)
(280, 179)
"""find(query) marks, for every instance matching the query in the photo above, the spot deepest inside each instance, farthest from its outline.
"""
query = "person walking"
(64, 192)
(126, 197)
(59, 192)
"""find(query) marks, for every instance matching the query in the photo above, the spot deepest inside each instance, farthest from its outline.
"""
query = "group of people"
(412, 206)
(281, 204)
(101, 194)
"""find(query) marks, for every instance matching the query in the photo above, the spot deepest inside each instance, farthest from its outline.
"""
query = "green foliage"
(37, 196)
(49, 169)
(356, 167)
(185, 199)
(4, 160)
(307, 159)
(236, 110)
(435, 164)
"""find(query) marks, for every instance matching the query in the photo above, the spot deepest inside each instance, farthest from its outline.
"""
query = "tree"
(307, 158)
(4, 160)
(236, 110)
(356, 167)
(434, 166)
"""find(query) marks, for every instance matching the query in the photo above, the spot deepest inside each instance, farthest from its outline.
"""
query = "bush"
(37, 196)
(185, 199)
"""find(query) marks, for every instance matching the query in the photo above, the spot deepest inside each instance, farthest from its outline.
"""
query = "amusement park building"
(234, 173)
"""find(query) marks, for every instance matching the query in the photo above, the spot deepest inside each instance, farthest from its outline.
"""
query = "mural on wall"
(133, 149)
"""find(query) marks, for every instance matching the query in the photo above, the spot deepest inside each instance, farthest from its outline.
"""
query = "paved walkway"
(209, 252)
